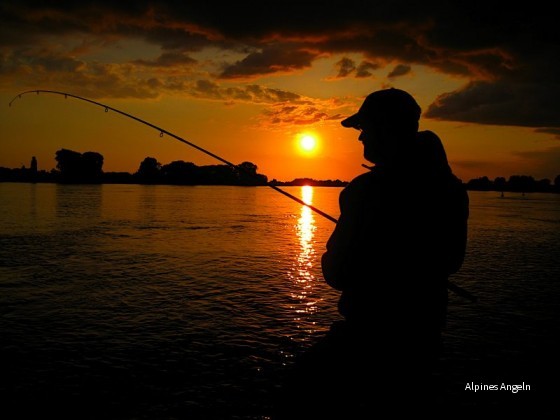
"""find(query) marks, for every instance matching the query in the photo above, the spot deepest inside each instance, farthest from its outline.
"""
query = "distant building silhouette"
(33, 170)
(33, 167)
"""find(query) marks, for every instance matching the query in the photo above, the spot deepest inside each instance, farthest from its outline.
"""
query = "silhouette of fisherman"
(402, 231)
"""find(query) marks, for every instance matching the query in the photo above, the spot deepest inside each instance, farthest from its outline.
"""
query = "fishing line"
(456, 289)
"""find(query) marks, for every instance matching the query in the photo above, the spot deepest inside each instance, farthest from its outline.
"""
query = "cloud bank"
(509, 55)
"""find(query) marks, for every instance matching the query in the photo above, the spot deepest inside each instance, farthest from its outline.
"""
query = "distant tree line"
(311, 182)
(515, 183)
(187, 173)
(75, 167)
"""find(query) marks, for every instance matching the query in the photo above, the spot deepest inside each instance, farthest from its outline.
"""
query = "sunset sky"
(248, 79)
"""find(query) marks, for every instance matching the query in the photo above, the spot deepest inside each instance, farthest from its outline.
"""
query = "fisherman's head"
(388, 122)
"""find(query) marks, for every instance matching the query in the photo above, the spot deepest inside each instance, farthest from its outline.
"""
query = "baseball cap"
(387, 104)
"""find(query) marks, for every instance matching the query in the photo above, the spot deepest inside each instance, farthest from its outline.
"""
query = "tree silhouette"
(75, 167)
(500, 183)
(217, 175)
(149, 171)
(180, 172)
(248, 175)
(92, 164)
(481, 184)
(522, 183)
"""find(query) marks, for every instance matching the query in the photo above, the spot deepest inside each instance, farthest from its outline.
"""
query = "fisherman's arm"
(336, 262)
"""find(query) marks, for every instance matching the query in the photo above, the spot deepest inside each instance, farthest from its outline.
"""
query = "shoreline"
(295, 183)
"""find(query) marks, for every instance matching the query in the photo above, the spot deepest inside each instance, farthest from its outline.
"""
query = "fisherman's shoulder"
(364, 180)
(428, 135)
(361, 184)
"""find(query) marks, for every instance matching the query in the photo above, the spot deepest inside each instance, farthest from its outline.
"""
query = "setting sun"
(307, 143)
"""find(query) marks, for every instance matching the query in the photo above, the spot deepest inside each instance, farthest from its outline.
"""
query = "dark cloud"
(527, 103)
(345, 67)
(295, 115)
(399, 70)
(96, 80)
(177, 37)
(168, 60)
(510, 54)
(36, 62)
(364, 69)
(208, 89)
(275, 59)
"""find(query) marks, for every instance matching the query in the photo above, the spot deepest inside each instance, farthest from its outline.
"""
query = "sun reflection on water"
(303, 277)
(306, 232)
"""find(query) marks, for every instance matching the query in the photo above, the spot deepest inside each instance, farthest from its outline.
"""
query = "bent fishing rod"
(451, 286)
(163, 131)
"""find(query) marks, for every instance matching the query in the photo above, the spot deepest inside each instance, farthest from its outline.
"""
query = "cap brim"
(351, 122)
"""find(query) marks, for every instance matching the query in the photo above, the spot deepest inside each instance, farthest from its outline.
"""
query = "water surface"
(191, 302)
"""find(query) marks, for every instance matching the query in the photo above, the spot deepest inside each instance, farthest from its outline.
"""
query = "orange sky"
(247, 86)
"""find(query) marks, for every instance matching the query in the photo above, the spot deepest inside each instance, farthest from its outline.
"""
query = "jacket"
(402, 231)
